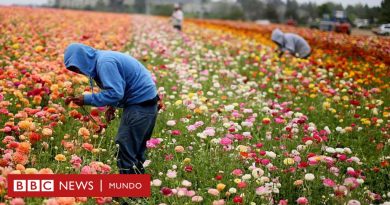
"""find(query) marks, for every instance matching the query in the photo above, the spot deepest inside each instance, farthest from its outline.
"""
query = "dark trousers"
(136, 127)
(177, 27)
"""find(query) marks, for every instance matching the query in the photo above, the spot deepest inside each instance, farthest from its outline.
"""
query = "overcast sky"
(344, 2)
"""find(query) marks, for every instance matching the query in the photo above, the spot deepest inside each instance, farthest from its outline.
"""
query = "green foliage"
(384, 16)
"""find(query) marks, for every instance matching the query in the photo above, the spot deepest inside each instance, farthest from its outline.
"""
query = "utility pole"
(147, 9)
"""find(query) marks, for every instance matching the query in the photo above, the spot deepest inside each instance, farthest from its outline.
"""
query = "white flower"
(309, 177)
(229, 108)
(146, 163)
(186, 183)
(271, 154)
(340, 150)
(264, 179)
(246, 176)
(327, 130)
(347, 150)
(330, 150)
(308, 142)
(232, 190)
(256, 173)
(246, 134)
(156, 182)
(171, 122)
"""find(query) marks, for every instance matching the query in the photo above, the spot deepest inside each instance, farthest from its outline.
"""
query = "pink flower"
(340, 190)
(283, 202)
(213, 192)
(328, 183)
(219, 202)
(265, 161)
(17, 201)
(86, 170)
(191, 128)
(302, 200)
(351, 183)
(209, 131)
(226, 141)
(175, 132)
(76, 161)
(103, 200)
(197, 199)
(51, 201)
(190, 193)
(237, 172)
(105, 169)
(152, 143)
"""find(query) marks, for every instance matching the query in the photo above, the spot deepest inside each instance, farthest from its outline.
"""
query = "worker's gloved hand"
(110, 114)
(76, 100)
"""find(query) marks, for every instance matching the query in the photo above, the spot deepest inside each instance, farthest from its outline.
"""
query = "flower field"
(239, 125)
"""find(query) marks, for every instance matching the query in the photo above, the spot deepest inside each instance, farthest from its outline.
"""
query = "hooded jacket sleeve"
(113, 86)
(290, 45)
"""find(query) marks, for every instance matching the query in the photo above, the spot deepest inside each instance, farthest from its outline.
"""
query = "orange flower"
(24, 147)
(46, 171)
(84, 132)
(20, 167)
(20, 158)
(66, 200)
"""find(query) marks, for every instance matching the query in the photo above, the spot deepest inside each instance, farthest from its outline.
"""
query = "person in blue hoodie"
(125, 83)
(292, 43)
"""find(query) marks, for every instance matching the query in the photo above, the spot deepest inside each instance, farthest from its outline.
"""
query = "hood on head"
(277, 36)
(81, 56)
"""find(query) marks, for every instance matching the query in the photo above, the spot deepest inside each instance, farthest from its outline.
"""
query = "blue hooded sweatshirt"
(124, 81)
(291, 42)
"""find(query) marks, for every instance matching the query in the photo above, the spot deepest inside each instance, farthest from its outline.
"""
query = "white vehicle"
(383, 29)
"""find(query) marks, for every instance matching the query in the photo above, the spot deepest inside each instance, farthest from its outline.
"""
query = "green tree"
(253, 9)
(292, 9)
(385, 12)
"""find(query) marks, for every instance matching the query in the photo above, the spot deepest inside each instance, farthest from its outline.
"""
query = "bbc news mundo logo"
(78, 185)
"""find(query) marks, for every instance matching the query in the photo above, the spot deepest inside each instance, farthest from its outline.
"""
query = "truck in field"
(339, 22)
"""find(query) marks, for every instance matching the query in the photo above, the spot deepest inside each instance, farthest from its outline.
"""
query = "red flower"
(303, 165)
(238, 200)
(241, 185)
(34, 137)
(166, 191)
(354, 102)
(218, 177)
(95, 112)
(188, 168)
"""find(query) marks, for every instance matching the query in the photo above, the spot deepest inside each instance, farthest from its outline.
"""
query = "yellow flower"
(221, 186)
(288, 161)
(186, 160)
(326, 105)
(237, 180)
(60, 157)
(178, 102)
(26, 125)
(39, 48)
(31, 171)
